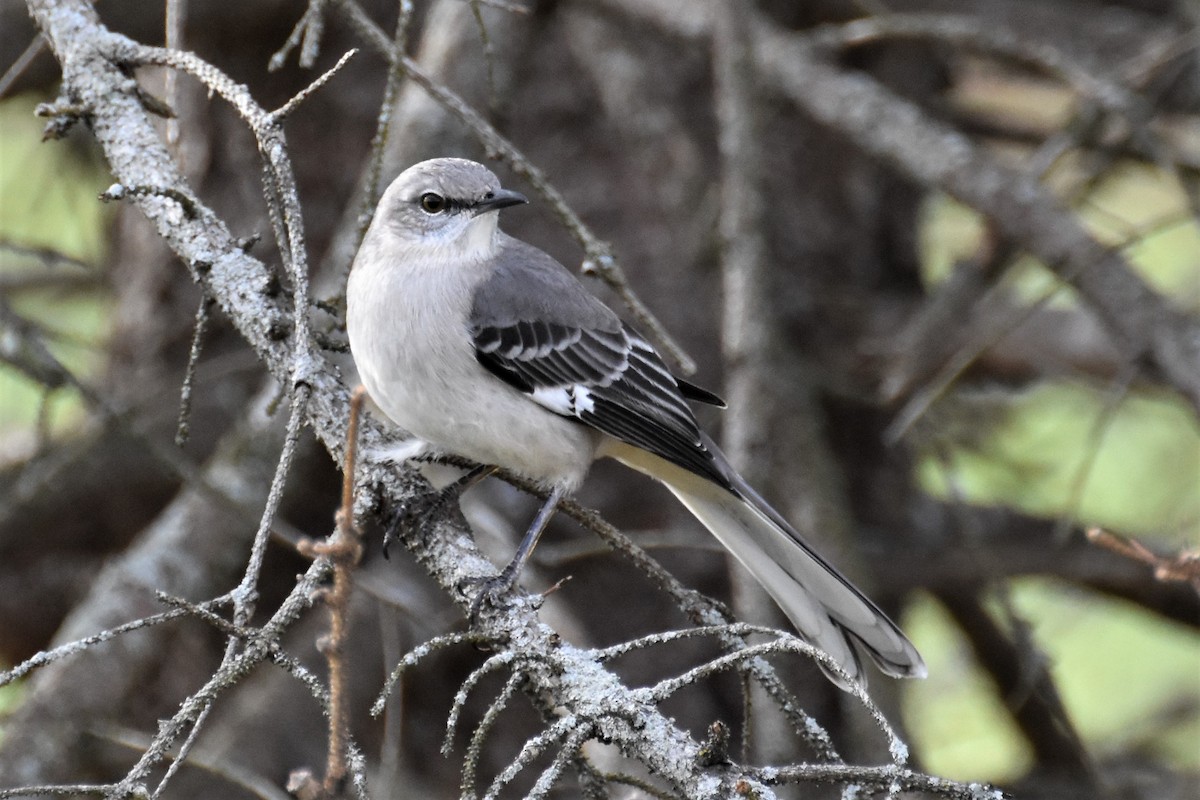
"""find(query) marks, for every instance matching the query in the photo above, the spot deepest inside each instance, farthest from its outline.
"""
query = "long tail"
(827, 610)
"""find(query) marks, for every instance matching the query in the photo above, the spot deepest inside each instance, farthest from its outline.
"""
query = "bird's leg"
(435, 502)
(492, 587)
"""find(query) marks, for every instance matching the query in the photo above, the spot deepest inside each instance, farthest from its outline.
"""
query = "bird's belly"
(432, 386)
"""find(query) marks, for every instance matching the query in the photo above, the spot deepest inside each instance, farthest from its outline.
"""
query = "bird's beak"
(501, 198)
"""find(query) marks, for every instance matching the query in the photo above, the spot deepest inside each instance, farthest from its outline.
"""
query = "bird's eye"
(433, 203)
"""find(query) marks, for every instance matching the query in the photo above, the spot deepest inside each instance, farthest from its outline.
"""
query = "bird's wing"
(535, 326)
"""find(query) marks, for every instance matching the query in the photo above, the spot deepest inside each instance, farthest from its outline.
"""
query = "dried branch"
(986, 36)
(383, 125)
(79, 645)
(890, 779)
(1183, 567)
(61, 790)
(18, 67)
(344, 550)
(189, 374)
(231, 671)
(49, 256)
(1024, 681)
(1022, 211)
(217, 764)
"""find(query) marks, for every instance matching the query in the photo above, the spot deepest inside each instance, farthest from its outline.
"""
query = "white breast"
(407, 324)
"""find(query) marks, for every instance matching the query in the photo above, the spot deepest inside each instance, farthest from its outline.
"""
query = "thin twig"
(79, 645)
(176, 13)
(1118, 390)
(60, 790)
(987, 36)
(879, 779)
(1184, 566)
(383, 125)
(18, 67)
(217, 764)
(182, 427)
(230, 672)
(344, 551)
(475, 748)
(49, 256)
(291, 105)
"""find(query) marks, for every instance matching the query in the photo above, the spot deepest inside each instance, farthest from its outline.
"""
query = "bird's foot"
(491, 590)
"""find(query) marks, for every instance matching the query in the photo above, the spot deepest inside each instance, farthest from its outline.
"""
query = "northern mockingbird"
(483, 346)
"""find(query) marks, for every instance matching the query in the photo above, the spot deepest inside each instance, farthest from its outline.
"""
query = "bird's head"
(445, 204)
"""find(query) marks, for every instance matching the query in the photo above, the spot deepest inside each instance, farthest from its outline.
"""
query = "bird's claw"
(491, 590)
(401, 517)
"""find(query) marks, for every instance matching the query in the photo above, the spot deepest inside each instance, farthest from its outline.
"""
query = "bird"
(482, 346)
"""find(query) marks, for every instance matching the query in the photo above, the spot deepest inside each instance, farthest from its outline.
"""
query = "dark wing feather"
(698, 393)
(576, 358)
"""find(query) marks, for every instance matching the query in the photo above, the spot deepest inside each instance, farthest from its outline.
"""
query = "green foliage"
(959, 726)
(1058, 450)
(1129, 680)
(48, 194)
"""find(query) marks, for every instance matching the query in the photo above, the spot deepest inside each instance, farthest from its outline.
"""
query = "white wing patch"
(584, 404)
(570, 401)
(558, 399)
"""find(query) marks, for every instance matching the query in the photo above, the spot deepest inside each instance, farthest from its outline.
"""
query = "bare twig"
(879, 779)
(1114, 396)
(214, 763)
(503, 5)
(475, 748)
(344, 551)
(307, 33)
(291, 105)
(18, 67)
(231, 671)
(60, 790)
(973, 33)
(1027, 686)
(1183, 566)
(189, 374)
(985, 334)
(49, 256)
(117, 192)
(79, 645)
(383, 125)
(176, 13)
